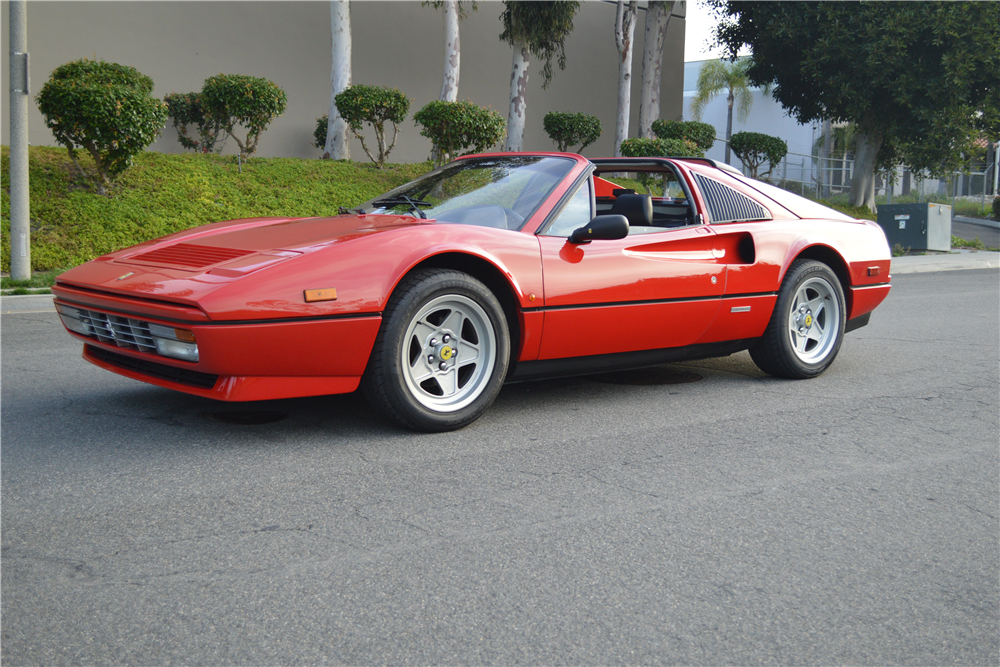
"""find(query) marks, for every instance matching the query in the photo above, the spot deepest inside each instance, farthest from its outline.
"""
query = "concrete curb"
(993, 224)
(962, 261)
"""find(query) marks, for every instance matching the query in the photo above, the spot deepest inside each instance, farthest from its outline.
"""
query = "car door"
(647, 291)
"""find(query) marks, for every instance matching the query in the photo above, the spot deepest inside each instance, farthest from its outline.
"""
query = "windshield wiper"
(414, 204)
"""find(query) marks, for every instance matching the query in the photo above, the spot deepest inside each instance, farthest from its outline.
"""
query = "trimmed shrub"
(374, 105)
(104, 108)
(701, 134)
(455, 126)
(319, 134)
(754, 149)
(639, 147)
(567, 129)
(185, 109)
(249, 101)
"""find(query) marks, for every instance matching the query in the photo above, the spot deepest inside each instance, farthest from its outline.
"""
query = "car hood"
(189, 264)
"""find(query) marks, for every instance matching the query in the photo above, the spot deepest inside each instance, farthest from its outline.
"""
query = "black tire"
(807, 325)
(441, 354)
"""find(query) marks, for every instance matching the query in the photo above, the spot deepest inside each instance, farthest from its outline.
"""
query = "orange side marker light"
(329, 294)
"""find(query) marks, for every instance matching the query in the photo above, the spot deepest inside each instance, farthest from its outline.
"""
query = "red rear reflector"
(873, 270)
(321, 295)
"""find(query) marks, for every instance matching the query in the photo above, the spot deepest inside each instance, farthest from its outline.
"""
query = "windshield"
(500, 191)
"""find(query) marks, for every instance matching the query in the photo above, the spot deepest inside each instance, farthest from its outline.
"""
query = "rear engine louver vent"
(188, 255)
(728, 205)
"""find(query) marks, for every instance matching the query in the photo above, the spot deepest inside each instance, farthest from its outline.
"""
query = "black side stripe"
(648, 302)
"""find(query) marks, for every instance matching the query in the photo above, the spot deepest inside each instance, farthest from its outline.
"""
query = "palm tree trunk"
(729, 124)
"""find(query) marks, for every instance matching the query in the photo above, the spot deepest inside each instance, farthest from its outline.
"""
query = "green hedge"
(568, 129)
(639, 147)
(456, 126)
(702, 134)
(162, 194)
(104, 108)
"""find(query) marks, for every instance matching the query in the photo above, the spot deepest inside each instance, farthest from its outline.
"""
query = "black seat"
(637, 208)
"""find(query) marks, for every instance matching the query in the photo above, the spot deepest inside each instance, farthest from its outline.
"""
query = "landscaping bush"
(455, 126)
(567, 129)
(754, 148)
(702, 134)
(249, 101)
(319, 134)
(639, 147)
(104, 108)
(185, 109)
(376, 106)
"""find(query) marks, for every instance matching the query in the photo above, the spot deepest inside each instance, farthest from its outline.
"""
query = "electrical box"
(917, 226)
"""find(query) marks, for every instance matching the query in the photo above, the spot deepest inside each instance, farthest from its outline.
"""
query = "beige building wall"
(395, 44)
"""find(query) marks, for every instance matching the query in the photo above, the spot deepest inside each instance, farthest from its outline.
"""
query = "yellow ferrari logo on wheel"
(809, 320)
(446, 353)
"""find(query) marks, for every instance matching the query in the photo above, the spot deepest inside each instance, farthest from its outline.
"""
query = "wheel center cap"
(809, 320)
(446, 352)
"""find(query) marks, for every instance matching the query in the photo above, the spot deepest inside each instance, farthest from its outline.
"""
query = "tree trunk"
(869, 141)
(518, 90)
(338, 140)
(824, 157)
(657, 21)
(729, 125)
(624, 30)
(452, 53)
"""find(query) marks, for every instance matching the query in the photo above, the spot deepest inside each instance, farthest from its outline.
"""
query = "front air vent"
(189, 255)
(153, 369)
(728, 205)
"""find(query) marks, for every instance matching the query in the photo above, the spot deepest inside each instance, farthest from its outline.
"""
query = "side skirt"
(602, 363)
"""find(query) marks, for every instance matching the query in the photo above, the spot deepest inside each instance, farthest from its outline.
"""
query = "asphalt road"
(850, 519)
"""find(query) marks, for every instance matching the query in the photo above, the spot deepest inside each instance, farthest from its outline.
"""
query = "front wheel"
(441, 355)
(807, 325)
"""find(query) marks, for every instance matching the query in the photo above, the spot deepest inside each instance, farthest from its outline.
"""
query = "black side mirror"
(601, 228)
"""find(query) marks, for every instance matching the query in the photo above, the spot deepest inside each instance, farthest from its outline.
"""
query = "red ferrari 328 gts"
(493, 268)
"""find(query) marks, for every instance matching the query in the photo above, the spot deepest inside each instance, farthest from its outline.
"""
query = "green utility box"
(917, 226)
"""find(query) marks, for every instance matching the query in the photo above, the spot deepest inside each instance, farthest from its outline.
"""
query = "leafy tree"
(376, 106)
(702, 134)
(754, 149)
(248, 101)
(624, 31)
(104, 108)
(567, 129)
(641, 147)
(539, 29)
(185, 109)
(716, 77)
(919, 79)
(338, 145)
(657, 21)
(455, 126)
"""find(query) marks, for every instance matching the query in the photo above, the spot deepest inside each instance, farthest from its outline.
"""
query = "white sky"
(699, 27)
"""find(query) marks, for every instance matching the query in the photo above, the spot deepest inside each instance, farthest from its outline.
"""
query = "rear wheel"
(441, 355)
(807, 325)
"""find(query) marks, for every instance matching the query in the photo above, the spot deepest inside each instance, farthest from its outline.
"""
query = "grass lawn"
(162, 194)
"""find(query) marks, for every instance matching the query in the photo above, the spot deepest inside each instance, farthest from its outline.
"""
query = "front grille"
(122, 331)
(153, 369)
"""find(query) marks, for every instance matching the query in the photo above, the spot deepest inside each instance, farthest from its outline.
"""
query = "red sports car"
(491, 269)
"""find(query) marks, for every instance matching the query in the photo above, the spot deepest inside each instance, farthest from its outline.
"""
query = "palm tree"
(717, 76)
